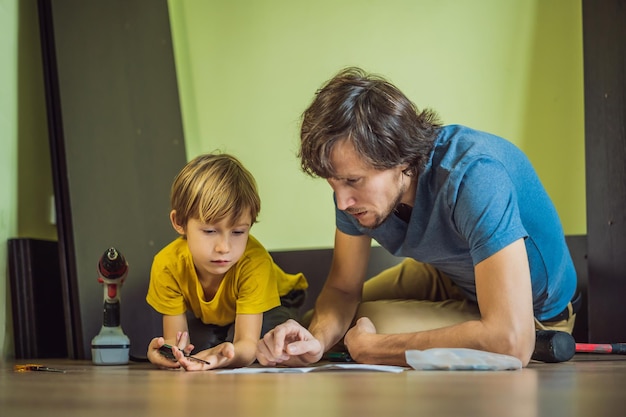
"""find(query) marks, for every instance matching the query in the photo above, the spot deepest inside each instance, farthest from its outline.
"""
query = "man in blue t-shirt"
(486, 263)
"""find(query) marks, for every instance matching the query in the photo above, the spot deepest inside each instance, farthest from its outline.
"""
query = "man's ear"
(407, 170)
(179, 228)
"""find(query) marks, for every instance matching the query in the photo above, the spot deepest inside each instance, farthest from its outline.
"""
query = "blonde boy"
(216, 283)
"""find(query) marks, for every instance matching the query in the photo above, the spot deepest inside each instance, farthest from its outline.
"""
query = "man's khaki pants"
(413, 296)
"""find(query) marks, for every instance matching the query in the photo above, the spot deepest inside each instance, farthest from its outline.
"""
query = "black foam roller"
(553, 346)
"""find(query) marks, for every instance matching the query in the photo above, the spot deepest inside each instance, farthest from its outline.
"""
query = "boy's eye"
(239, 232)
(352, 180)
(208, 231)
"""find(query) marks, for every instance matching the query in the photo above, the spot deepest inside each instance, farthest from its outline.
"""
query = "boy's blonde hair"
(214, 187)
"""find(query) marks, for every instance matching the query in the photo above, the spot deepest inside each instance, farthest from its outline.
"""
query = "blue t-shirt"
(477, 194)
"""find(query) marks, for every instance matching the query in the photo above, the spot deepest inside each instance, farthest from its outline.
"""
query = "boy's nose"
(223, 246)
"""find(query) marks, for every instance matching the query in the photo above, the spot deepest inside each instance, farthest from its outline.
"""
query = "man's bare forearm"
(334, 312)
(389, 349)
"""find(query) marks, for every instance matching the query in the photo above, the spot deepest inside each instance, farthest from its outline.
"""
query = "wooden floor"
(588, 385)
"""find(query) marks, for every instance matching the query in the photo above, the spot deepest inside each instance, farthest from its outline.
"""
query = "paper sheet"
(319, 368)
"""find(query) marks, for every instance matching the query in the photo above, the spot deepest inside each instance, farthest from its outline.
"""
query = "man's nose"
(345, 200)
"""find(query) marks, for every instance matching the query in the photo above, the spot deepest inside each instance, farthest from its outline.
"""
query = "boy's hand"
(217, 357)
(182, 343)
(289, 344)
(157, 358)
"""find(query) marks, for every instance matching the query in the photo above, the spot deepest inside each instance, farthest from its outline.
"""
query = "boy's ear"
(180, 229)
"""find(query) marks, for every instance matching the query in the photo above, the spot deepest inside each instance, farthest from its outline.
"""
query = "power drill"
(111, 345)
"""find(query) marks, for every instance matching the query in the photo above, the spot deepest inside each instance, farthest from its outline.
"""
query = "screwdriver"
(29, 367)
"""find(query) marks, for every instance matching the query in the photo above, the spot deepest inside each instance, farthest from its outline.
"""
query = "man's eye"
(352, 180)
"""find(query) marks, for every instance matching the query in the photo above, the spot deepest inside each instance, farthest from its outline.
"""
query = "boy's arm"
(247, 332)
(173, 326)
(232, 355)
(175, 333)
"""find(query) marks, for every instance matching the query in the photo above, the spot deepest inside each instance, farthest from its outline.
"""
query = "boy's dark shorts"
(205, 336)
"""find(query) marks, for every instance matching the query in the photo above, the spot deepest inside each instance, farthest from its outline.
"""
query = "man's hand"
(358, 339)
(289, 344)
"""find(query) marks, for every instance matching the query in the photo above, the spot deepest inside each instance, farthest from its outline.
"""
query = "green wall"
(247, 70)
(8, 158)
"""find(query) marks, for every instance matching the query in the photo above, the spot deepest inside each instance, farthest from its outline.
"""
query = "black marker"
(166, 350)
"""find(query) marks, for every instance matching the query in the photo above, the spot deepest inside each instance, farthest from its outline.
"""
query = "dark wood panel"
(604, 32)
(577, 245)
(117, 143)
(36, 299)
(315, 264)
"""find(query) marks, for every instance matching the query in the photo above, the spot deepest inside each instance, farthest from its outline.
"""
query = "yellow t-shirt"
(252, 286)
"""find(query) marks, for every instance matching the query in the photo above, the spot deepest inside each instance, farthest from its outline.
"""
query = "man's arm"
(337, 303)
(291, 344)
(506, 325)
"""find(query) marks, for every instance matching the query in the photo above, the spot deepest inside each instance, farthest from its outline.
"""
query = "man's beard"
(380, 219)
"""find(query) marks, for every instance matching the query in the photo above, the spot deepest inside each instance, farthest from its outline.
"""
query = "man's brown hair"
(383, 125)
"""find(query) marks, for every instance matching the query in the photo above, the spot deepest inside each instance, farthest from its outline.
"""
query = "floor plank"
(588, 385)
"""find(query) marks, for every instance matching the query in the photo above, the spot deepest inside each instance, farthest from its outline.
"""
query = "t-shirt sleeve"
(485, 209)
(164, 294)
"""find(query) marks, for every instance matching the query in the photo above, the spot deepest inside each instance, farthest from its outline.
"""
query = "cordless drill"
(111, 345)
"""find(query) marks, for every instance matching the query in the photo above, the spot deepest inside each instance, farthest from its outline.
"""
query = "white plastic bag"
(452, 359)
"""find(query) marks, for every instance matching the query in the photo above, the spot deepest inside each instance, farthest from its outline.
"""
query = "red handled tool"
(555, 346)
(614, 348)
